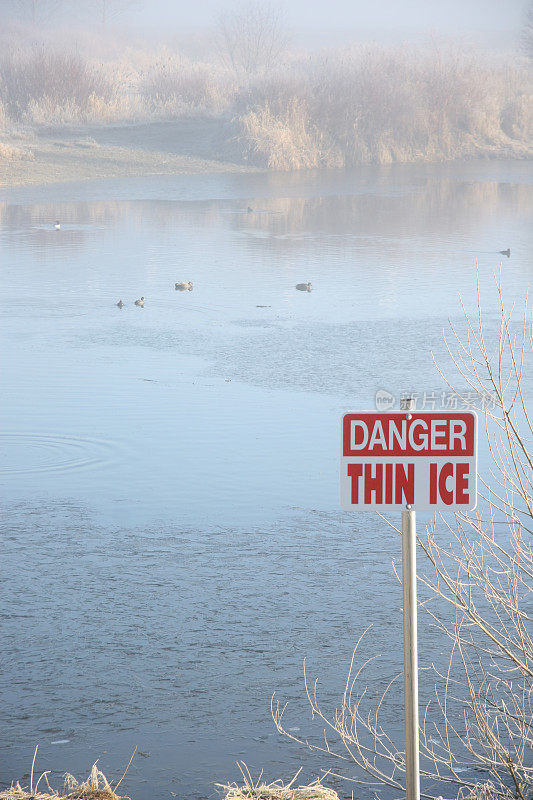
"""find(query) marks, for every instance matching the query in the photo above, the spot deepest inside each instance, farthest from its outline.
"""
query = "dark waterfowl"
(140, 302)
(303, 287)
(506, 252)
(120, 304)
(184, 286)
(249, 210)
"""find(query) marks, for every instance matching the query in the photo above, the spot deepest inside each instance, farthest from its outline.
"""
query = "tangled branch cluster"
(476, 738)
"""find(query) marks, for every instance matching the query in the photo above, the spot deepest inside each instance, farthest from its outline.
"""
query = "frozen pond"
(172, 544)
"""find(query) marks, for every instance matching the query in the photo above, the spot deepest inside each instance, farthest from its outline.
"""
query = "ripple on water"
(23, 453)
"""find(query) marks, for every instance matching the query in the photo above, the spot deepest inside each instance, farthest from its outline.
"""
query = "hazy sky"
(493, 23)
(484, 19)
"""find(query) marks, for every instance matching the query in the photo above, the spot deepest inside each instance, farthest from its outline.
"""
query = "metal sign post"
(404, 461)
(410, 655)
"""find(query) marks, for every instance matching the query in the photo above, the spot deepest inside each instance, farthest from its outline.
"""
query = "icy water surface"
(172, 542)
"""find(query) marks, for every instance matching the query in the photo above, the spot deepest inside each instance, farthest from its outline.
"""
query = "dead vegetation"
(277, 790)
(97, 787)
(361, 104)
(10, 153)
(374, 105)
(94, 787)
(476, 734)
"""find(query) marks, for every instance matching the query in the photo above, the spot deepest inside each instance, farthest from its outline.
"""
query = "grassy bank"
(97, 787)
(357, 105)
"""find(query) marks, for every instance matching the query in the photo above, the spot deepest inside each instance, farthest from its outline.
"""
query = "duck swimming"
(57, 225)
(184, 286)
(506, 252)
(303, 287)
(120, 304)
(140, 302)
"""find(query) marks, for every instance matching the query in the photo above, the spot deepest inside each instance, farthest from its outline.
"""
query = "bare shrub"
(57, 79)
(477, 736)
(276, 90)
(180, 84)
(252, 37)
(372, 105)
(364, 104)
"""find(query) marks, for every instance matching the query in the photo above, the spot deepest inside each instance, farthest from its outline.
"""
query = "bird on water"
(140, 302)
(184, 286)
(120, 304)
(303, 287)
(506, 252)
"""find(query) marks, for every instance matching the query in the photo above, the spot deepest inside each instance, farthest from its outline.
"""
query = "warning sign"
(424, 460)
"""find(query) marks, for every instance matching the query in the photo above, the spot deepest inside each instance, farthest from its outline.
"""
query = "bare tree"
(476, 738)
(108, 9)
(252, 37)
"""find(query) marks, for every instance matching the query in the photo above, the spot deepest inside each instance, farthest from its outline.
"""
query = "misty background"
(486, 22)
(284, 87)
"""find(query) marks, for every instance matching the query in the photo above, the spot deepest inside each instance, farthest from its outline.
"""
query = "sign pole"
(397, 460)
(410, 654)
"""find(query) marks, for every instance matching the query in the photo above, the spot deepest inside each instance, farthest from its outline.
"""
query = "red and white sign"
(425, 460)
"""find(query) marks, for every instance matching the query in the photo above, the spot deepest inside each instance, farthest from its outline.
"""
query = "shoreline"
(48, 156)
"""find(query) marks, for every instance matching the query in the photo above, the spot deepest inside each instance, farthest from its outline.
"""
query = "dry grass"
(94, 787)
(175, 85)
(376, 105)
(10, 153)
(481, 791)
(58, 88)
(56, 78)
(277, 790)
(4, 120)
(356, 105)
(287, 140)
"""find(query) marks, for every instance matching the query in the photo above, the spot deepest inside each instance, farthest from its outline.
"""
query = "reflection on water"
(424, 206)
(172, 537)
